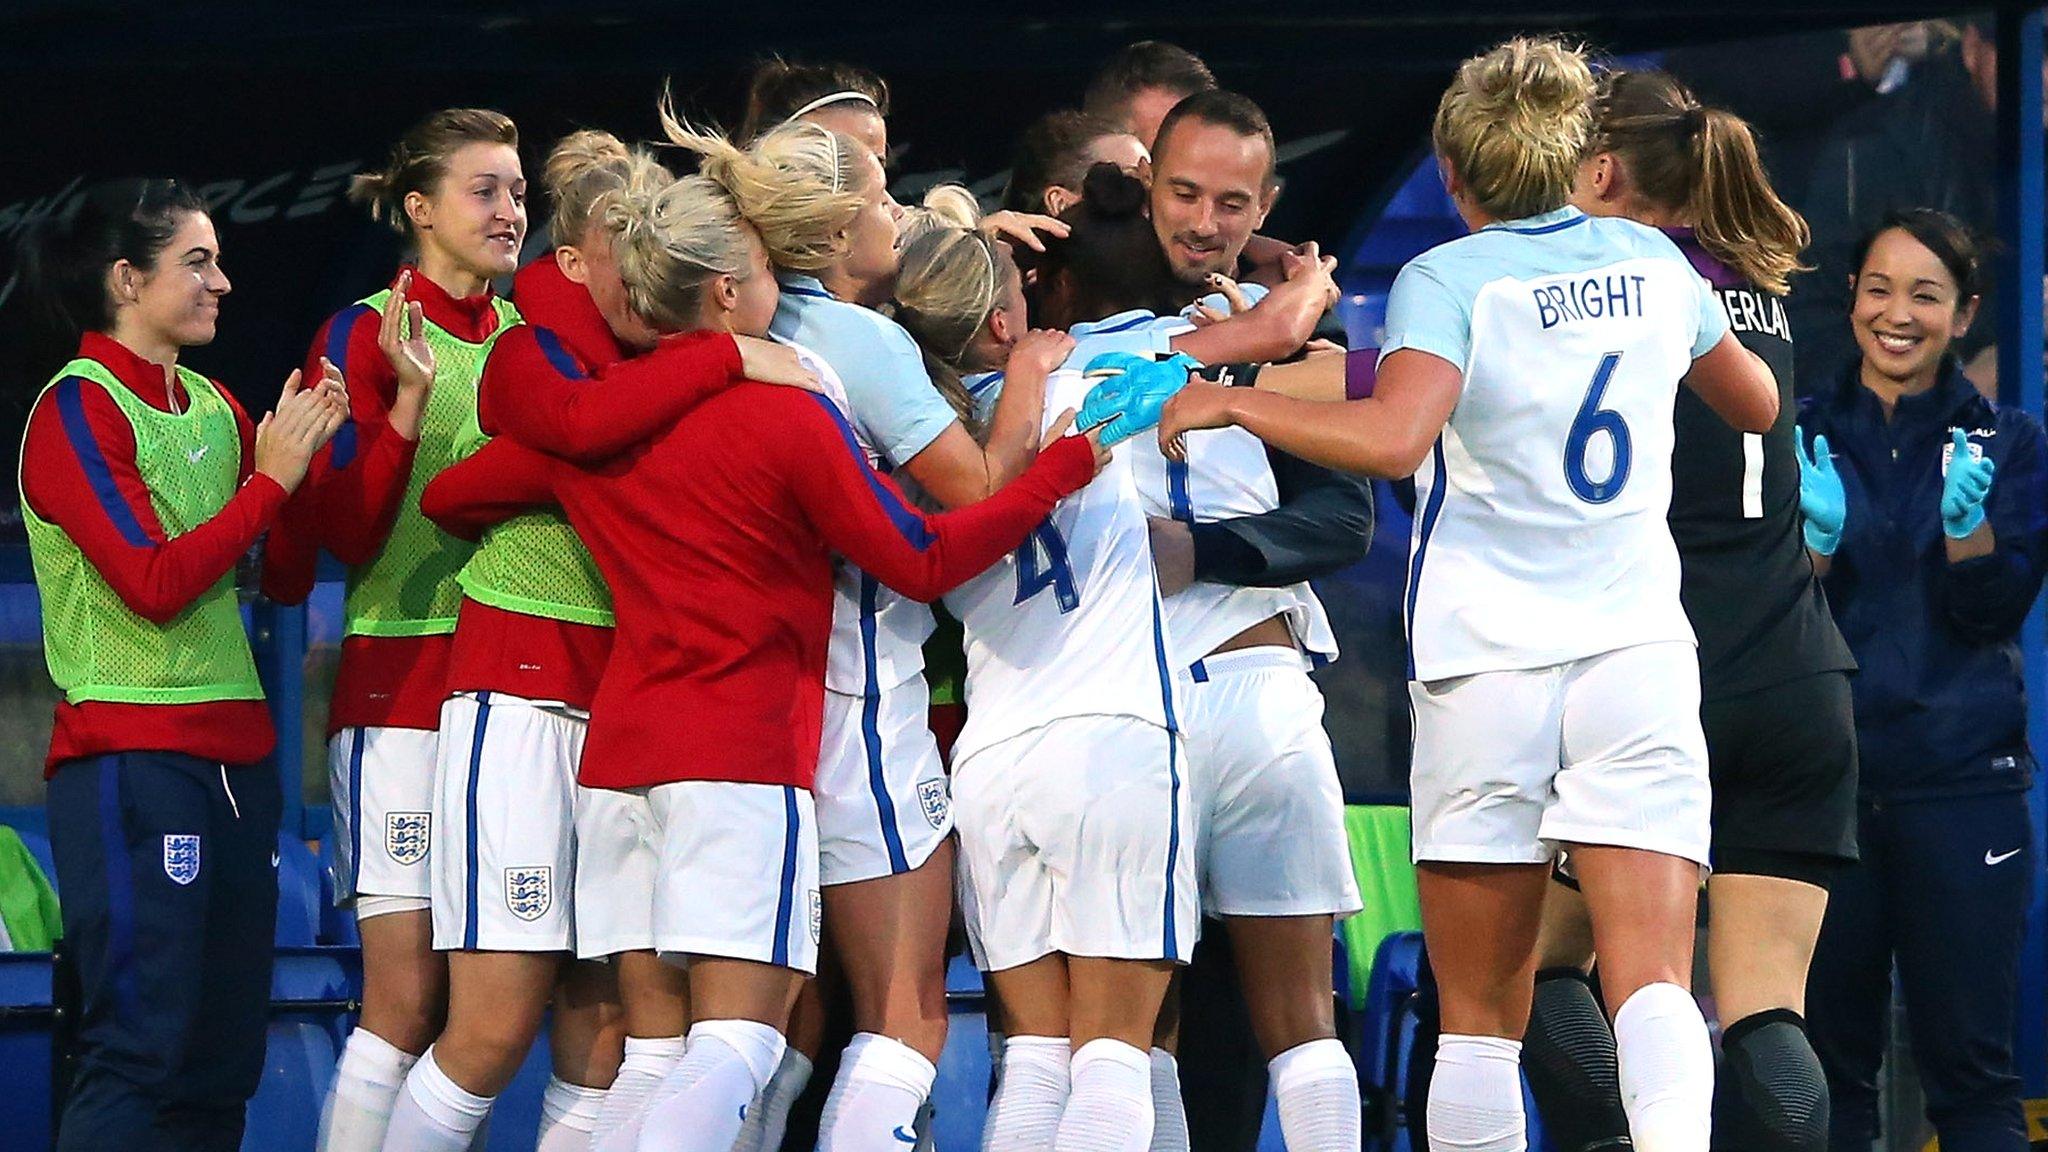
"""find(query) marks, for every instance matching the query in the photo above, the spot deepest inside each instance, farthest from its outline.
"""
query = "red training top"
(717, 537)
(348, 503)
(501, 651)
(78, 472)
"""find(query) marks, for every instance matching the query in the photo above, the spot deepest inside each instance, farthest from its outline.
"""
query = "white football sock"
(434, 1113)
(647, 1063)
(881, 1086)
(768, 1116)
(1667, 1069)
(704, 1100)
(1317, 1090)
(1030, 1095)
(1475, 1096)
(568, 1116)
(1169, 1113)
(1109, 1108)
(365, 1090)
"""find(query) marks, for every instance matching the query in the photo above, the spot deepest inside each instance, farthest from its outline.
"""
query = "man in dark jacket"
(1930, 144)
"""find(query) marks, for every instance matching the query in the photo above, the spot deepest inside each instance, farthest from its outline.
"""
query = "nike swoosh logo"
(196, 455)
(1989, 859)
(906, 1137)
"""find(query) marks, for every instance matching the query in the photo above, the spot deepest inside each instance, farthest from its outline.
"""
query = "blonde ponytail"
(799, 185)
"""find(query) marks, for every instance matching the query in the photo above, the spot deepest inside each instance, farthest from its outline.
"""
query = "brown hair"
(421, 156)
(1053, 151)
(779, 87)
(1515, 123)
(1701, 162)
(1232, 110)
(1145, 64)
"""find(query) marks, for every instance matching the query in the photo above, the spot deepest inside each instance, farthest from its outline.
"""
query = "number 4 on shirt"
(1042, 563)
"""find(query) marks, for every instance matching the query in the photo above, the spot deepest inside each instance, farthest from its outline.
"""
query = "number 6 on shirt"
(1042, 564)
(1593, 418)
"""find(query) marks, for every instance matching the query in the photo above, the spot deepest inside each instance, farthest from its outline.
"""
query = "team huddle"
(645, 730)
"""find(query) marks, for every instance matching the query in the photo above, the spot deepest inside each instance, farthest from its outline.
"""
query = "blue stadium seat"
(298, 1063)
(1386, 1039)
(25, 1023)
(313, 985)
(960, 1094)
(298, 892)
(515, 1118)
(38, 845)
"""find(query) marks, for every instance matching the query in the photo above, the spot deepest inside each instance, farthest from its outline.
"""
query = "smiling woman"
(412, 355)
(1924, 510)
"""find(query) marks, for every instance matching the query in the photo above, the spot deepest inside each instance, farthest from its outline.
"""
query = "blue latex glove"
(1821, 499)
(1964, 487)
(1129, 402)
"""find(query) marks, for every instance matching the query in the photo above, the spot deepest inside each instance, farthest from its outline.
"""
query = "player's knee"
(1771, 1095)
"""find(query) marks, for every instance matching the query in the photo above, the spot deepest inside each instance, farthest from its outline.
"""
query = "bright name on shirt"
(1591, 298)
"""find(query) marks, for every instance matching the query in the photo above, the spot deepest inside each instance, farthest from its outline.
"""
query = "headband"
(834, 98)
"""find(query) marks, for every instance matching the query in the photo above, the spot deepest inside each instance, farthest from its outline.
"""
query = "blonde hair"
(420, 158)
(1515, 123)
(1703, 163)
(949, 283)
(583, 170)
(800, 185)
(671, 239)
(944, 206)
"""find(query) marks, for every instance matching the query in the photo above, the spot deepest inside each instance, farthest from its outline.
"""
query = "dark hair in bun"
(1109, 262)
(64, 258)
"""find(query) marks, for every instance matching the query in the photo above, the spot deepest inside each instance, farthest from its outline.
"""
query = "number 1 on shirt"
(1042, 563)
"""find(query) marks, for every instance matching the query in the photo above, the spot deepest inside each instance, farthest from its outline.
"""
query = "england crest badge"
(932, 798)
(529, 892)
(406, 835)
(181, 858)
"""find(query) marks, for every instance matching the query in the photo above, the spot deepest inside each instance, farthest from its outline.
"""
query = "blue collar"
(803, 284)
(1121, 322)
(1555, 220)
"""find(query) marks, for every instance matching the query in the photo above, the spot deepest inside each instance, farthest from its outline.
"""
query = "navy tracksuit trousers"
(1942, 888)
(167, 865)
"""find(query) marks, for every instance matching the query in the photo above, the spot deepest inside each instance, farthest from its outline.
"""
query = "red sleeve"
(534, 391)
(357, 482)
(499, 481)
(864, 516)
(79, 473)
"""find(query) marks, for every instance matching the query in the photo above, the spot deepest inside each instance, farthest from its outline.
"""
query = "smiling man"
(1213, 181)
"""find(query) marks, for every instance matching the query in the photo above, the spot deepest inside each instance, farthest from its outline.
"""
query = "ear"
(420, 211)
(999, 327)
(124, 282)
(1607, 177)
(728, 292)
(1966, 312)
(569, 259)
(1270, 197)
(1059, 198)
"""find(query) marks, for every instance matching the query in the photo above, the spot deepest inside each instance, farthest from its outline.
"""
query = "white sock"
(434, 1113)
(1169, 1113)
(1030, 1095)
(568, 1116)
(881, 1086)
(365, 1090)
(768, 1115)
(1667, 1069)
(1475, 1096)
(647, 1063)
(1317, 1089)
(703, 1101)
(1110, 1106)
